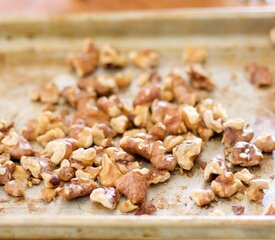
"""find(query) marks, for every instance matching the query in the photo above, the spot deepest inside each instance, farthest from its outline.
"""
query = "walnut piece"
(51, 180)
(202, 197)
(108, 197)
(103, 134)
(271, 207)
(48, 194)
(66, 172)
(245, 176)
(155, 176)
(259, 75)
(127, 206)
(6, 171)
(50, 135)
(120, 123)
(146, 58)
(158, 131)
(146, 207)
(84, 157)
(265, 143)
(36, 165)
(111, 57)
(147, 94)
(88, 172)
(194, 55)
(147, 77)
(172, 141)
(255, 190)
(47, 93)
(142, 116)
(215, 168)
(14, 188)
(190, 117)
(21, 174)
(123, 80)
(83, 135)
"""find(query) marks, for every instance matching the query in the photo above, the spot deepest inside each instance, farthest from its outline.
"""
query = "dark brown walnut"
(14, 188)
(106, 196)
(255, 191)
(265, 143)
(6, 171)
(133, 185)
(236, 130)
(48, 194)
(146, 208)
(158, 131)
(202, 197)
(147, 94)
(147, 77)
(200, 78)
(160, 109)
(147, 58)
(155, 176)
(271, 208)
(47, 93)
(79, 187)
(259, 75)
(51, 180)
(194, 55)
(245, 154)
(82, 134)
(111, 57)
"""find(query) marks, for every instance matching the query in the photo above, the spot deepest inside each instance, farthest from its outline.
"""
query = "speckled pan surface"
(33, 50)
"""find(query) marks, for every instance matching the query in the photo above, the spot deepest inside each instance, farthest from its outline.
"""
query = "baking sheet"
(33, 50)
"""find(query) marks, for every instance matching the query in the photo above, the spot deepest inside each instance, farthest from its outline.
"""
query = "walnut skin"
(202, 197)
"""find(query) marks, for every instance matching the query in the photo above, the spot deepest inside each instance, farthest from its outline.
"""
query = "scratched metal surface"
(31, 55)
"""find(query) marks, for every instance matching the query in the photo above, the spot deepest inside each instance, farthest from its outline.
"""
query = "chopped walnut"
(15, 188)
(147, 58)
(127, 206)
(51, 180)
(48, 194)
(142, 116)
(158, 131)
(236, 130)
(91, 171)
(155, 176)
(50, 135)
(226, 185)
(106, 196)
(147, 94)
(71, 95)
(200, 78)
(125, 166)
(66, 172)
(47, 93)
(245, 154)
(186, 152)
(123, 80)
(116, 155)
(194, 55)
(36, 165)
(5, 126)
(271, 208)
(21, 174)
(265, 143)
(202, 197)
(160, 109)
(255, 190)
(215, 168)
(147, 77)
(83, 135)
(190, 117)
(171, 141)
(245, 176)
(238, 209)
(146, 207)
(259, 75)
(134, 131)
(111, 57)
(85, 157)
(102, 135)
(120, 123)
(6, 171)
(205, 133)
(174, 124)
(133, 185)
(113, 105)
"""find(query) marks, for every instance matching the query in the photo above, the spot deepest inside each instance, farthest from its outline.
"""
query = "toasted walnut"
(259, 75)
(79, 187)
(85, 62)
(66, 172)
(226, 185)
(160, 109)
(202, 197)
(83, 135)
(17, 146)
(158, 131)
(146, 207)
(245, 176)
(148, 76)
(71, 95)
(4, 157)
(134, 131)
(133, 185)
(171, 141)
(85, 157)
(14, 188)
(215, 168)
(50, 135)
(200, 78)
(113, 105)
(190, 117)
(123, 80)
(102, 134)
(236, 130)
(194, 55)
(21, 174)
(245, 154)
(51, 180)
(125, 166)
(147, 58)
(48, 194)
(108, 197)
(60, 149)
(205, 133)
(88, 172)
(116, 155)
(186, 152)
(147, 94)
(127, 206)
(155, 176)
(36, 165)
(6, 171)
(111, 57)
(271, 208)
(120, 124)
(47, 93)
(142, 116)
(153, 151)
(174, 124)
(255, 191)
(265, 143)
(5, 126)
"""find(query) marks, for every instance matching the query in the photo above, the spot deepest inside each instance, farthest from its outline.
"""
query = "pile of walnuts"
(97, 146)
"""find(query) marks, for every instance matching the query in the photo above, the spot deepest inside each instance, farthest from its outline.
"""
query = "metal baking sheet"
(33, 50)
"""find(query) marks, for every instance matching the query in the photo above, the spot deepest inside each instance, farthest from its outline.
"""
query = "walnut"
(146, 207)
(146, 58)
(108, 197)
(152, 151)
(190, 117)
(158, 131)
(60, 149)
(194, 55)
(36, 165)
(102, 134)
(123, 80)
(71, 95)
(255, 190)
(83, 135)
(245, 154)
(205, 133)
(160, 109)
(85, 62)
(271, 208)
(66, 172)
(202, 197)
(174, 124)
(238, 209)
(133, 185)
(125, 166)
(88, 172)
(147, 94)
(245, 176)
(134, 131)
(111, 57)
(155, 176)
(142, 116)
(5, 126)
(236, 130)
(120, 123)
(186, 152)
(21, 174)
(215, 168)
(200, 78)
(85, 157)
(17, 146)
(127, 206)
(147, 77)
(51, 180)
(259, 75)
(48, 194)
(6, 171)
(112, 105)
(50, 135)
(47, 93)
(171, 141)
(109, 173)
(79, 187)
(226, 185)
(14, 188)
(265, 143)
(116, 154)
(4, 157)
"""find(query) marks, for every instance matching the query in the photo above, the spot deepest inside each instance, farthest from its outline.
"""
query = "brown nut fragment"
(205, 133)
(190, 117)
(21, 174)
(155, 176)
(48, 194)
(215, 168)
(255, 191)
(113, 105)
(265, 143)
(158, 131)
(147, 58)
(60, 149)
(186, 152)
(14, 188)
(83, 135)
(47, 93)
(236, 130)
(133, 185)
(271, 208)
(6, 171)
(102, 134)
(194, 55)
(226, 185)
(116, 155)
(5, 126)
(259, 75)
(120, 124)
(147, 94)
(127, 206)
(245, 154)
(174, 124)
(146, 208)
(142, 117)
(66, 172)
(111, 57)
(171, 141)
(36, 165)
(202, 197)
(17, 146)
(125, 166)
(147, 77)
(106, 196)
(51, 180)
(123, 80)
(88, 172)
(84, 157)
(79, 187)
(71, 95)
(245, 176)
(50, 135)
(238, 209)
(200, 78)
(160, 109)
